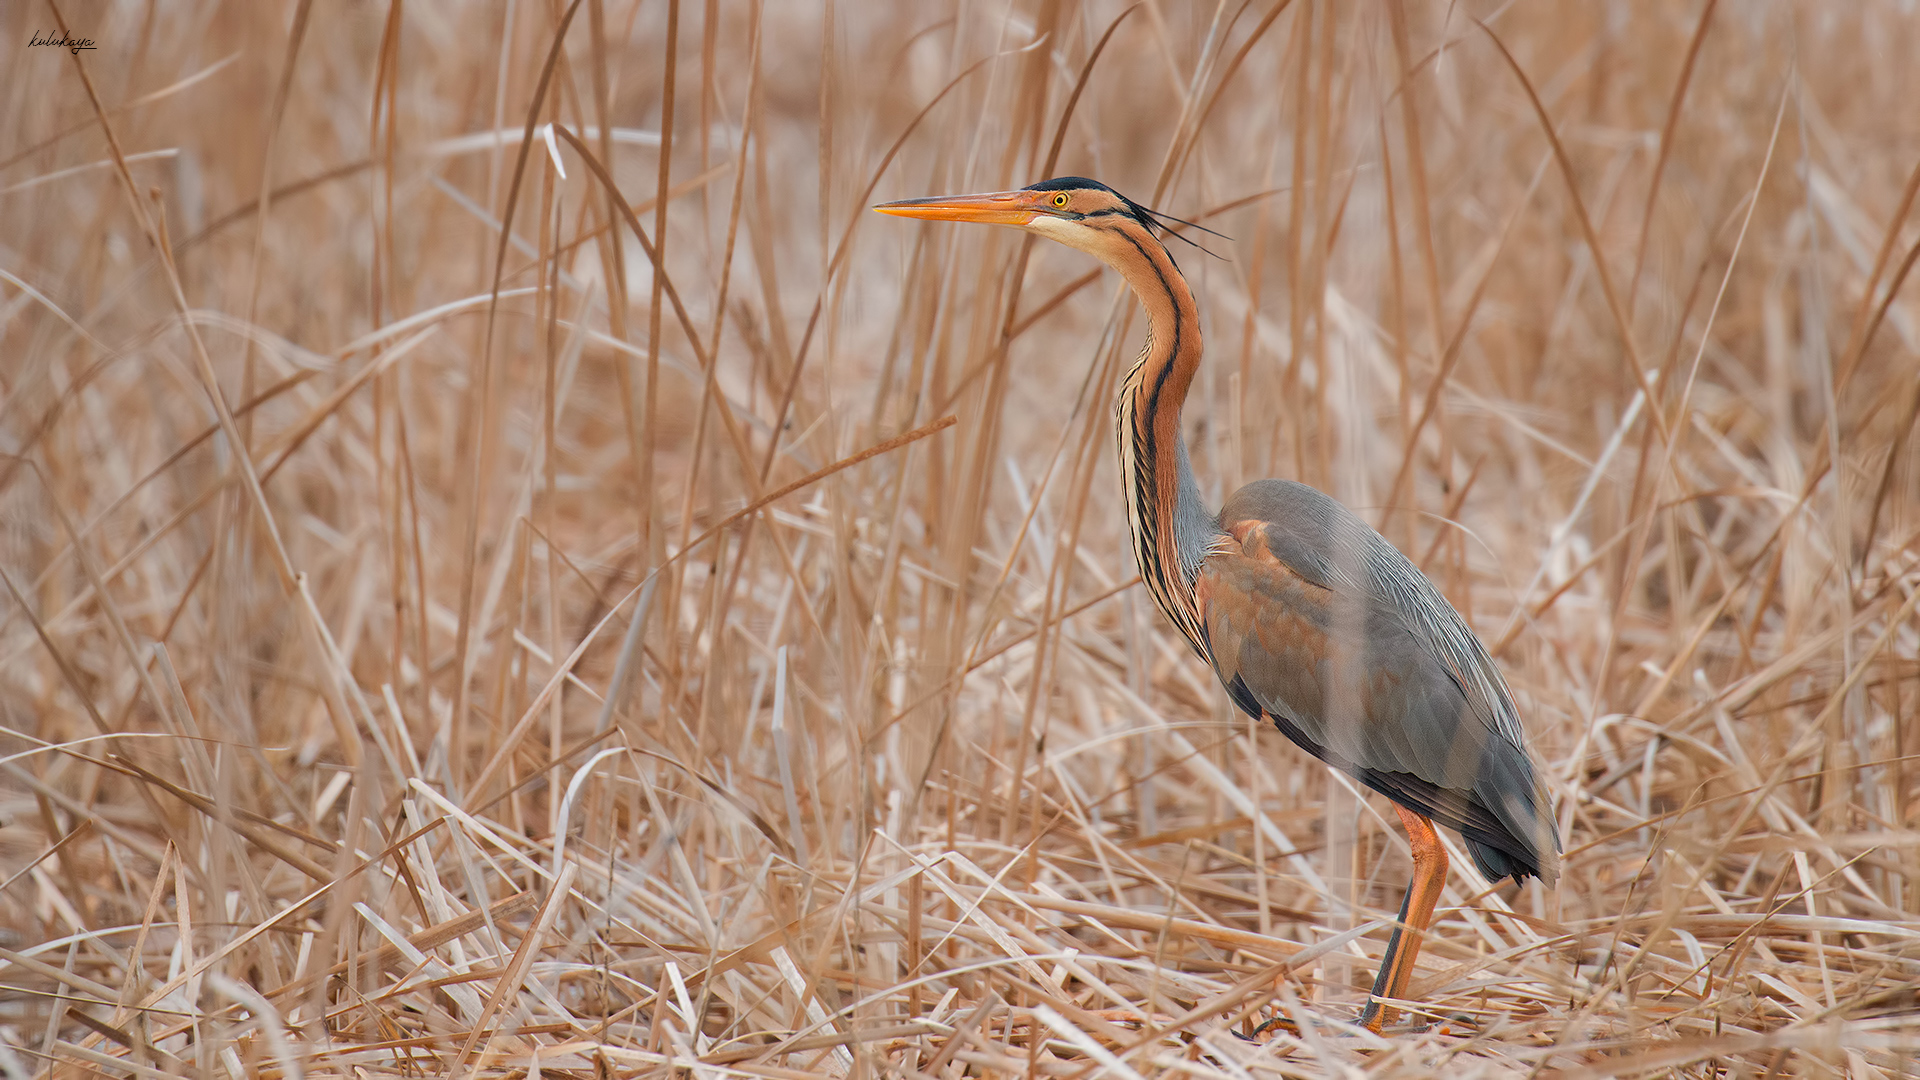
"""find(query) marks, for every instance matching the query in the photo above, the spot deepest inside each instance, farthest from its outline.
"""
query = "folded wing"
(1317, 623)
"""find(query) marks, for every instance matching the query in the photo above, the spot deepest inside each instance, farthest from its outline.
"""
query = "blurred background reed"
(332, 743)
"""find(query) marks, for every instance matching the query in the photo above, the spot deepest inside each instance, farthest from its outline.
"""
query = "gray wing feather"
(1338, 551)
(1449, 721)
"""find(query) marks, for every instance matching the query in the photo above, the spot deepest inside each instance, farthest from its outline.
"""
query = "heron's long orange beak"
(993, 208)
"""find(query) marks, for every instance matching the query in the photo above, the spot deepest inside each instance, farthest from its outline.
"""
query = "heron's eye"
(1060, 199)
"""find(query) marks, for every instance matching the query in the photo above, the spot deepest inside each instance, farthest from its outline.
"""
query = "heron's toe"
(1277, 1023)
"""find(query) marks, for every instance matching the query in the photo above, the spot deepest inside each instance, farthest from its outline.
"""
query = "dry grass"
(308, 769)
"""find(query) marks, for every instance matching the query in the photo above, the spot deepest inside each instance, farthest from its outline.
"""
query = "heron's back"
(1316, 621)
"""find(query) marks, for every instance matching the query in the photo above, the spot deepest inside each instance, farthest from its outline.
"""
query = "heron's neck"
(1171, 526)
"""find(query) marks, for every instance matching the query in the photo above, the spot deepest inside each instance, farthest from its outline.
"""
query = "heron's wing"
(1316, 621)
(1323, 542)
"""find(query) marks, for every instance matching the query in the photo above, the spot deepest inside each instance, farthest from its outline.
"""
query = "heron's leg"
(1416, 912)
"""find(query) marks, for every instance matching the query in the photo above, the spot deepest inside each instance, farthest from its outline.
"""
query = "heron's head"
(1073, 210)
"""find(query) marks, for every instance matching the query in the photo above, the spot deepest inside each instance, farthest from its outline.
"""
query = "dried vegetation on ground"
(343, 755)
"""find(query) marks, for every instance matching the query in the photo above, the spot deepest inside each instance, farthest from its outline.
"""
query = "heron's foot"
(1375, 1015)
(1279, 1022)
(1370, 1018)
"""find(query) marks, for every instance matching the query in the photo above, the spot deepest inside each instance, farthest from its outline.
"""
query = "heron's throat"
(1172, 528)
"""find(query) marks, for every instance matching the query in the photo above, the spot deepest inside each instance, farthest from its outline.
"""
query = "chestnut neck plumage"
(1172, 527)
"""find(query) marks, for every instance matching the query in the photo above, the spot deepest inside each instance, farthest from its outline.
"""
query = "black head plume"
(1153, 220)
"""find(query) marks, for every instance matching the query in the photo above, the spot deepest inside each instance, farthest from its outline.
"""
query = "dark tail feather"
(1497, 862)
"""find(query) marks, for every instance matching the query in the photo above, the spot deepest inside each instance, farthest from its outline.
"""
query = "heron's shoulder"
(1281, 502)
(1307, 530)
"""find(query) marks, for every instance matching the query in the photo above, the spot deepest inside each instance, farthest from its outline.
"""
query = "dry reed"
(553, 687)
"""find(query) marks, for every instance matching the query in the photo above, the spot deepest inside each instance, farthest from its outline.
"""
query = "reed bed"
(510, 570)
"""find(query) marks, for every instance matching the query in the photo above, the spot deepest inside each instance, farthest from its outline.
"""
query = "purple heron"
(1309, 617)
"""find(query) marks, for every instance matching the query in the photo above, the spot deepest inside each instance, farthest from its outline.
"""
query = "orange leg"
(1416, 912)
